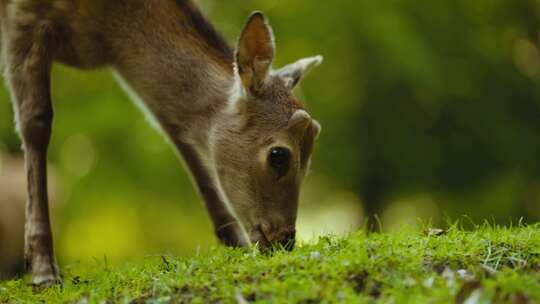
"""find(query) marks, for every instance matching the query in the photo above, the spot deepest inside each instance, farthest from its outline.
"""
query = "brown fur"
(223, 122)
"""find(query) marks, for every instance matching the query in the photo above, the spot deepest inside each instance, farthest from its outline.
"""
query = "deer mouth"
(269, 245)
(260, 238)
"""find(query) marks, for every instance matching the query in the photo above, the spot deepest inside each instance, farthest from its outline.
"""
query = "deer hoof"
(45, 272)
(45, 281)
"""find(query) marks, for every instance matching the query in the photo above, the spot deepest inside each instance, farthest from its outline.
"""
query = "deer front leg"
(28, 76)
(226, 227)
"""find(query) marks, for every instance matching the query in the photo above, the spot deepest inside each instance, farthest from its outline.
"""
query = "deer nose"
(288, 241)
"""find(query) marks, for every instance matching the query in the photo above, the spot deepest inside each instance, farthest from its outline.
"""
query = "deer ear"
(293, 73)
(316, 128)
(312, 133)
(299, 120)
(255, 52)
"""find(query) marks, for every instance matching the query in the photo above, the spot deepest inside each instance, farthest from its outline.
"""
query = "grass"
(500, 265)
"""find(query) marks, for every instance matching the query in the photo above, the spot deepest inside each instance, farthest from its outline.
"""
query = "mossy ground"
(489, 264)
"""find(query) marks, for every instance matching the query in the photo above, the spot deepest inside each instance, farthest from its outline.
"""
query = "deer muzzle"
(270, 239)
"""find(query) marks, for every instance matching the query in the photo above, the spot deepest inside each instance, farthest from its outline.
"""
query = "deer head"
(262, 148)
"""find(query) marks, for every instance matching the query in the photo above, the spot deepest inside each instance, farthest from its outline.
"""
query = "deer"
(234, 121)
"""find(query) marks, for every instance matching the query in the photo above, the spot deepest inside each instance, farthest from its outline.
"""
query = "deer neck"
(181, 75)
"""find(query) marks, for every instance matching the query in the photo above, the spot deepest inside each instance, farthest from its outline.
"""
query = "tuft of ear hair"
(293, 73)
(255, 52)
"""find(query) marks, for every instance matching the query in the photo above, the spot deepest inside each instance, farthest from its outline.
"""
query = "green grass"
(501, 265)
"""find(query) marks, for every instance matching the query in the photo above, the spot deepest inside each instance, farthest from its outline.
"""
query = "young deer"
(244, 137)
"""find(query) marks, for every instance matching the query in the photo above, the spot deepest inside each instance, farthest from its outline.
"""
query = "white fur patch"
(236, 92)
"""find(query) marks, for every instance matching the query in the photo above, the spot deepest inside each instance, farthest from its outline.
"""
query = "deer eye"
(279, 159)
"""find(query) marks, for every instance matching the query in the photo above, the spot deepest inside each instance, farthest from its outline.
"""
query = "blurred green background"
(430, 110)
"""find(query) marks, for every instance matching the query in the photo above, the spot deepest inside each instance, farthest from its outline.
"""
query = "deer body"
(243, 136)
